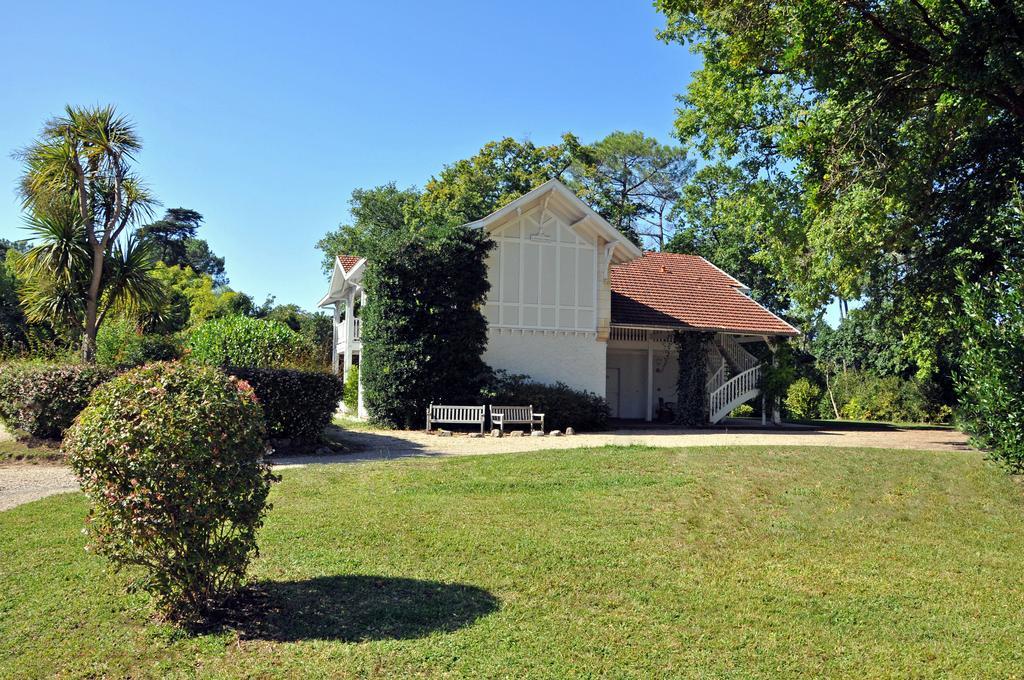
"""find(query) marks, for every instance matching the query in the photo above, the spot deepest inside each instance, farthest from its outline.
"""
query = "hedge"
(297, 405)
(562, 406)
(42, 400)
(243, 341)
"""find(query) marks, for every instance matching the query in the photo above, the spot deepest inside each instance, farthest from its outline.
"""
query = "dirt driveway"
(384, 445)
(20, 483)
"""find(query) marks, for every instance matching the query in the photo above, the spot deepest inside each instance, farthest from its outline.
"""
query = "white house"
(572, 300)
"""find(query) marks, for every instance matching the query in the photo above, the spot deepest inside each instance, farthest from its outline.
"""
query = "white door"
(611, 391)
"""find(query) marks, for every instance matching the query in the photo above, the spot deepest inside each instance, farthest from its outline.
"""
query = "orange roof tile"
(666, 289)
(348, 261)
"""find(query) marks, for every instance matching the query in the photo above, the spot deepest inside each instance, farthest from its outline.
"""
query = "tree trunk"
(92, 303)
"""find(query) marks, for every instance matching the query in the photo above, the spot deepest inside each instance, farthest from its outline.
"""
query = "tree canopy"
(893, 130)
(175, 243)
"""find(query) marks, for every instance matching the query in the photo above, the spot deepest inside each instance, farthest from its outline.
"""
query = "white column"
(334, 343)
(349, 313)
(650, 378)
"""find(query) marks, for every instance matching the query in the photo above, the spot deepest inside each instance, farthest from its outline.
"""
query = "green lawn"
(752, 562)
(12, 450)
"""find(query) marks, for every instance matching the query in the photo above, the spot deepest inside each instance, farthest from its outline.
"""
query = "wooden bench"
(441, 414)
(515, 415)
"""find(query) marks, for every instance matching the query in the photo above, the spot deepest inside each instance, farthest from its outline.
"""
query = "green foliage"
(561, 405)
(42, 400)
(56, 273)
(83, 198)
(861, 395)
(351, 394)
(633, 182)
(191, 299)
(182, 492)
(803, 399)
(377, 214)
(779, 373)
(297, 405)
(991, 383)
(499, 173)
(876, 147)
(725, 219)
(423, 333)
(316, 328)
(691, 389)
(242, 341)
(175, 242)
(120, 344)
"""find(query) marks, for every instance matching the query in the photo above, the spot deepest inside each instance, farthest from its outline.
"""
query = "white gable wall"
(542, 309)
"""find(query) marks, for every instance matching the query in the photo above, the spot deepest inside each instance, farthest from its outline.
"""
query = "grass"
(12, 450)
(624, 562)
(350, 423)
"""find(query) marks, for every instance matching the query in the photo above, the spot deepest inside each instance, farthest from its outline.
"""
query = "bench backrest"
(456, 414)
(514, 413)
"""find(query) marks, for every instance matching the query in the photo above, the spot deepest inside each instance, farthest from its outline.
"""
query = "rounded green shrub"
(41, 400)
(243, 341)
(171, 457)
(802, 399)
(297, 405)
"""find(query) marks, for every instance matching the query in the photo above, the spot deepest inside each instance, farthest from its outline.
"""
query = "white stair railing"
(740, 359)
(734, 392)
(717, 378)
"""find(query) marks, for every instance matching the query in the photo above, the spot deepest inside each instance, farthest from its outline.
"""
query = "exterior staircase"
(736, 381)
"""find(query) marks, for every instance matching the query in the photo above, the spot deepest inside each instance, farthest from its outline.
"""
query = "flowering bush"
(297, 405)
(243, 341)
(41, 400)
(171, 456)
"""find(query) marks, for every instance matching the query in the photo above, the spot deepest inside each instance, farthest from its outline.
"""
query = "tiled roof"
(665, 289)
(348, 261)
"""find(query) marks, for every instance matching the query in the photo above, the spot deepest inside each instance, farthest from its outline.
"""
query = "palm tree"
(82, 194)
(57, 272)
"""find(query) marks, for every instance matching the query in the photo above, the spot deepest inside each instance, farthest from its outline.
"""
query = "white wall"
(577, 359)
(543, 275)
(631, 360)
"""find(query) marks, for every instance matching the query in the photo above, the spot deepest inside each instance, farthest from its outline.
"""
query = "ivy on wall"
(691, 390)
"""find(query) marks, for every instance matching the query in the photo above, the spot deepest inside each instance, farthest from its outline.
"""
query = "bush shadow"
(356, 608)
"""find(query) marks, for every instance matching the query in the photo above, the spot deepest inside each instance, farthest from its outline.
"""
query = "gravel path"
(23, 483)
(20, 483)
(371, 446)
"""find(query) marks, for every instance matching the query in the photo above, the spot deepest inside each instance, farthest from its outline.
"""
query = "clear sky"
(265, 116)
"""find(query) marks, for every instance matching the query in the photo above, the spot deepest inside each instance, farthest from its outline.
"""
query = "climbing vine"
(691, 390)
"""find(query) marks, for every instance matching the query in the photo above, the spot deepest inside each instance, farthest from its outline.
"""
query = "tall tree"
(55, 274)
(376, 214)
(500, 172)
(78, 183)
(726, 221)
(900, 125)
(633, 181)
(176, 243)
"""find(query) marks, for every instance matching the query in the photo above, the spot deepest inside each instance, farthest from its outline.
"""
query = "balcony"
(342, 335)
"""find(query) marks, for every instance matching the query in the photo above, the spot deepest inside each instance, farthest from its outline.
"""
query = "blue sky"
(264, 117)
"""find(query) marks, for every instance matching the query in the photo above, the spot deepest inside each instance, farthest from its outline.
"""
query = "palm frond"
(131, 287)
(62, 250)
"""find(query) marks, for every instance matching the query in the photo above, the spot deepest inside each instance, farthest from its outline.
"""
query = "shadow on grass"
(357, 607)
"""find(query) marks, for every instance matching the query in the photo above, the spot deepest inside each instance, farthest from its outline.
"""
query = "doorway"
(611, 391)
